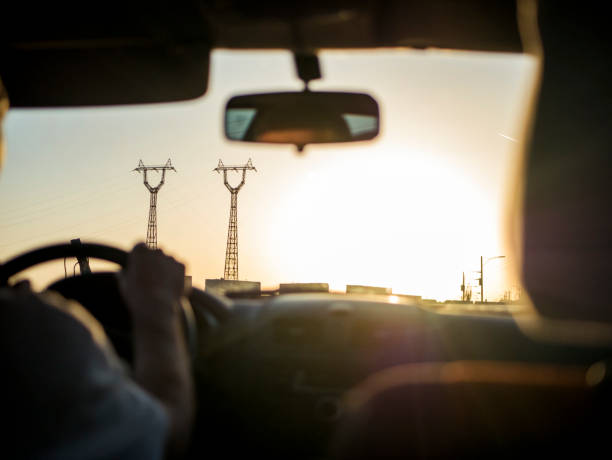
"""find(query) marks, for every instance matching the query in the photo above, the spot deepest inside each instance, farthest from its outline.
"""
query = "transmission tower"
(152, 225)
(231, 250)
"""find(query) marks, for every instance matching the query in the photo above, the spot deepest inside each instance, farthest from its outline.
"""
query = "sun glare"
(351, 221)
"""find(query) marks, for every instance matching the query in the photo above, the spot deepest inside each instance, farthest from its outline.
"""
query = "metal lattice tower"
(230, 271)
(152, 225)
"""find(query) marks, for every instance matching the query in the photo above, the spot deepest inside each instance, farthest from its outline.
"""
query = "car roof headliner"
(158, 51)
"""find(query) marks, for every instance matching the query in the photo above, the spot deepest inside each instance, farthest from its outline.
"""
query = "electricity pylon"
(152, 225)
(230, 271)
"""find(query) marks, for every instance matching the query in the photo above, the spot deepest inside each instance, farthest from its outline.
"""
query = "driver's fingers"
(152, 264)
(22, 286)
(140, 247)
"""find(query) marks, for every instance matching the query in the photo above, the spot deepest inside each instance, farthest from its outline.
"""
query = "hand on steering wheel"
(151, 279)
(100, 293)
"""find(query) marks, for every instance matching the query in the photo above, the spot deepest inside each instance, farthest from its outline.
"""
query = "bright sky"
(412, 209)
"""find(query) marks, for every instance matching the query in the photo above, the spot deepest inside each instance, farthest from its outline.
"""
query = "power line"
(25, 209)
(85, 227)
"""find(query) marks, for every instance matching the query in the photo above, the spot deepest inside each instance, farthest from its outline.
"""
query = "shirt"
(64, 392)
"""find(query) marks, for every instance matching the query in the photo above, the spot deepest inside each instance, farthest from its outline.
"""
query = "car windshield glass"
(412, 210)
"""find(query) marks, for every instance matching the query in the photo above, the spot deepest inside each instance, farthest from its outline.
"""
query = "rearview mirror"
(301, 118)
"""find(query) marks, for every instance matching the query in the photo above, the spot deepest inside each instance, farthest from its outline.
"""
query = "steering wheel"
(99, 293)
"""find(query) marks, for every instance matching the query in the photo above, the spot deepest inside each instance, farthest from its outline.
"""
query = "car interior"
(314, 376)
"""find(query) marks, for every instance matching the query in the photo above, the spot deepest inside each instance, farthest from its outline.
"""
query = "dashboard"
(276, 375)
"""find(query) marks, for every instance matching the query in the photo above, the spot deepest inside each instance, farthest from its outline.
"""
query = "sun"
(349, 220)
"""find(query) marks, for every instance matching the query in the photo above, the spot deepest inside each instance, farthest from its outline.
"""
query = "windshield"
(413, 210)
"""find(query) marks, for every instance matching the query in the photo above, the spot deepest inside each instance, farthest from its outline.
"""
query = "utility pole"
(466, 290)
(481, 279)
(230, 271)
(152, 224)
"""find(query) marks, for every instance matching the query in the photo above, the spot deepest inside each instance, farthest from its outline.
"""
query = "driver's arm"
(152, 286)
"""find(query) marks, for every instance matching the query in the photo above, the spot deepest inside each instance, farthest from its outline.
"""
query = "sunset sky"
(411, 210)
